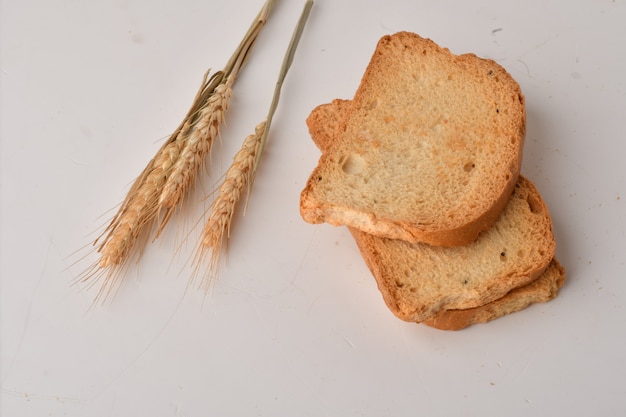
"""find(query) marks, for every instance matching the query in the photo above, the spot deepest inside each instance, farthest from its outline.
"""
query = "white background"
(295, 325)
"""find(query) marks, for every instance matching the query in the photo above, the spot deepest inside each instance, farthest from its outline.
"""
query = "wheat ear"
(197, 145)
(241, 173)
(133, 218)
(206, 124)
(143, 203)
(236, 180)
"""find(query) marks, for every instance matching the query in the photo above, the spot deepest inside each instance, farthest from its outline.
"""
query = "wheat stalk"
(242, 171)
(179, 158)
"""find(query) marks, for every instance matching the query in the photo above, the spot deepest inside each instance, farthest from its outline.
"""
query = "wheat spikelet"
(168, 155)
(236, 181)
(116, 249)
(138, 209)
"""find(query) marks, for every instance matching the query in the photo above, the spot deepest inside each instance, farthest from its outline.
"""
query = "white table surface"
(295, 325)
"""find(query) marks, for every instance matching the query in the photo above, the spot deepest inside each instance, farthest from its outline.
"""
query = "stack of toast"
(423, 167)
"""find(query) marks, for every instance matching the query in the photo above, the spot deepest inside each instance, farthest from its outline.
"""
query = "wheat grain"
(167, 157)
(116, 249)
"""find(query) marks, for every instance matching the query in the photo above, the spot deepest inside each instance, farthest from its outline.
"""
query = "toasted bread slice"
(541, 290)
(429, 150)
(418, 281)
(422, 283)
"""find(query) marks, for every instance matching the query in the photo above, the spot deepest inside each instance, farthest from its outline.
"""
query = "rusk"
(421, 283)
(428, 151)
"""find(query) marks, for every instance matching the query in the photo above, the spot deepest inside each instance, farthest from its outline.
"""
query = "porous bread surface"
(324, 121)
(418, 281)
(541, 290)
(429, 150)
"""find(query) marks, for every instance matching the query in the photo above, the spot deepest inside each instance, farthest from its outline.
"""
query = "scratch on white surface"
(541, 44)
(244, 290)
(303, 259)
(28, 315)
(141, 353)
(529, 361)
(30, 396)
(77, 162)
(312, 304)
(176, 406)
(348, 341)
(525, 66)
